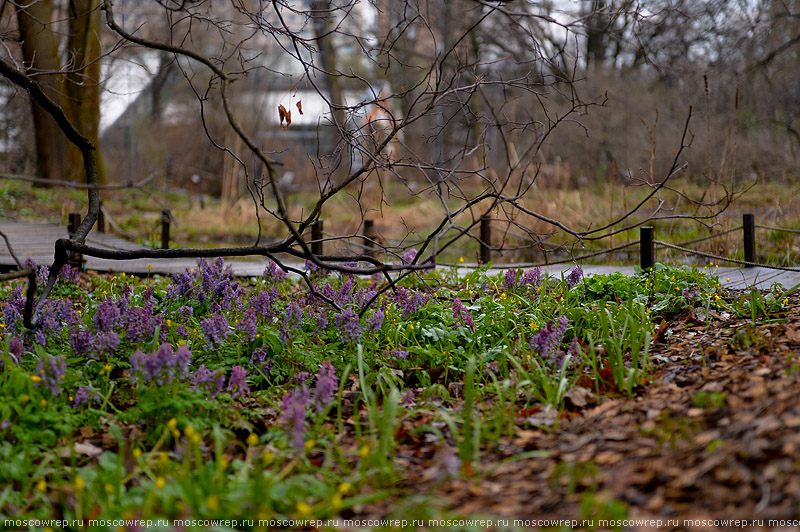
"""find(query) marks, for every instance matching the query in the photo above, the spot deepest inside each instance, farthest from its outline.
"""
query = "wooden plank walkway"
(36, 240)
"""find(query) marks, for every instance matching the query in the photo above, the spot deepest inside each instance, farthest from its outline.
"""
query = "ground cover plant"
(201, 395)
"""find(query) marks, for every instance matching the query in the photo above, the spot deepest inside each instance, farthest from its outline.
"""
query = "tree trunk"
(40, 57)
(83, 79)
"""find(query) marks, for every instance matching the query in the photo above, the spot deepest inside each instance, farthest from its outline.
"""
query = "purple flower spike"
(293, 414)
(461, 314)
(510, 281)
(84, 395)
(237, 386)
(574, 277)
(51, 370)
(347, 325)
(547, 341)
(216, 329)
(327, 384)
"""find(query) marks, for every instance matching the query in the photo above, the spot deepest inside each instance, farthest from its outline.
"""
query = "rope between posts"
(538, 264)
(779, 229)
(709, 237)
(720, 258)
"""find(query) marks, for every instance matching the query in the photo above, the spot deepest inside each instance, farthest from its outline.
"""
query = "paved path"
(36, 241)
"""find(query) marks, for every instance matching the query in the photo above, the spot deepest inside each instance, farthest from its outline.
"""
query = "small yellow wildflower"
(310, 444)
(172, 424)
(267, 457)
(364, 451)
(461, 259)
(252, 439)
(189, 430)
(176, 434)
(149, 267)
(303, 508)
(336, 502)
(43, 403)
(137, 453)
(344, 488)
(169, 323)
(79, 484)
(107, 367)
(41, 486)
(109, 489)
(24, 398)
(212, 503)
(36, 379)
(160, 483)
(196, 438)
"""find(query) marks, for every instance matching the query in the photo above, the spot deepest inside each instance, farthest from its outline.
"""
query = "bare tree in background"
(419, 95)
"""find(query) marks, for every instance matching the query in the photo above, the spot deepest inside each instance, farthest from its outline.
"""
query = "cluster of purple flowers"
(407, 257)
(260, 359)
(162, 366)
(409, 302)
(461, 314)
(549, 338)
(213, 382)
(690, 294)
(294, 402)
(210, 282)
(274, 273)
(216, 329)
(84, 394)
(514, 280)
(547, 342)
(574, 277)
(347, 324)
(66, 273)
(51, 371)
(263, 302)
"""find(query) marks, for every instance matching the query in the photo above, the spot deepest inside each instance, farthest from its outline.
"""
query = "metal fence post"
(101, 220)
(646, 247)
(749, 226)
(165, 217)
(369, 236)
(486, 240)
(316, 238)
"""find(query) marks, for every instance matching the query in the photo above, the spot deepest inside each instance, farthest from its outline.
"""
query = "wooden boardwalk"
(36, 240)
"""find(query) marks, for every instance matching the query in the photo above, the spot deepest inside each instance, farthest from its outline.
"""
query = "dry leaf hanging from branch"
(284, 115)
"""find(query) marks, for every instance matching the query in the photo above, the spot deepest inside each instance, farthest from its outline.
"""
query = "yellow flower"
(364, 451)
(212, 503)
(336, 502)
(461, 259)
(411, 325)
(169, 323)
(160, 483)
(137, 453)
(43, 403)
(188, 431)
(150, 267)
(310, 444)
(267, 457)
(41, 486)
(36, 379)
(109, 489)
(196, 438)
(79, 484)
(164, 457)
(252, 439)
(24, 398)
(344, 488)
(176, 434)
(172, 424)
(107, 367)
(303, 509)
